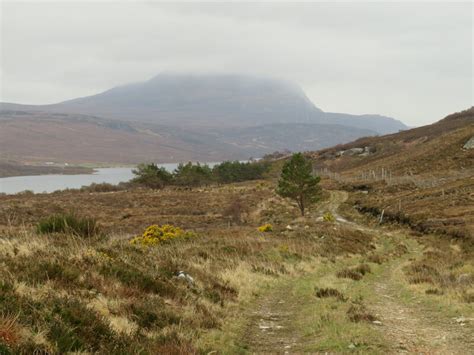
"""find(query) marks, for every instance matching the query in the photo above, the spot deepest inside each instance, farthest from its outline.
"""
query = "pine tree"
(298, 183)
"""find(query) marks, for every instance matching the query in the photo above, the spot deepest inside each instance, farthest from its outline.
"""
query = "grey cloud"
(410, 61)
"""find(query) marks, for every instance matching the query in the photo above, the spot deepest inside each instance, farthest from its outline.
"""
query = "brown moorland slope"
(35, 136)
(423, 177)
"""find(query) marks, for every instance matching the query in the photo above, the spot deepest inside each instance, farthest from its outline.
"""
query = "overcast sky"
(409, 61)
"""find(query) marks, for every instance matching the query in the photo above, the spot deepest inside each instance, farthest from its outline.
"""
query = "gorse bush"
(156, 234)
(68, 223)
(267, 227)
(329, 217)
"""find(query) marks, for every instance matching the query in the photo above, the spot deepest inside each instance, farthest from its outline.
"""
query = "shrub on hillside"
(156, 234)
(235, 171)
(235, 211)
(329, 217)
(103, 187)
(68, 223)
(267, 227)
(192, 175)
(150, 175)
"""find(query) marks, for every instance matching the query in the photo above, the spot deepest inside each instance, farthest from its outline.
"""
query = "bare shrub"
(359, 313)
(349, 274)
(236, 210)
(329, 292)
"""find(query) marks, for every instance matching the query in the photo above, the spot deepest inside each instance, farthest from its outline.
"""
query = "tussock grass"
(68, 224)
(357, 312)
(355, 273)
(329, 292)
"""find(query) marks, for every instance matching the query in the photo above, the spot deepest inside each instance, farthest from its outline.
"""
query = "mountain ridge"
(209, 100)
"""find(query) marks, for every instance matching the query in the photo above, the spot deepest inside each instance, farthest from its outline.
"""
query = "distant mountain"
(212, 101)
(178, 117)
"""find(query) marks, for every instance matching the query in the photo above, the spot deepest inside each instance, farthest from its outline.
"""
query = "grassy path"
(291, 319)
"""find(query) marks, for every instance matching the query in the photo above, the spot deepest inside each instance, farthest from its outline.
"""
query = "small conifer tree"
(298, 183)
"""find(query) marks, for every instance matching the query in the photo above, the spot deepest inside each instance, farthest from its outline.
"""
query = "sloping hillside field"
(383, 263)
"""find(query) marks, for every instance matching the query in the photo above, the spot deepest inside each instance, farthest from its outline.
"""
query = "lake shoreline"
(13, 170)
(57, 181)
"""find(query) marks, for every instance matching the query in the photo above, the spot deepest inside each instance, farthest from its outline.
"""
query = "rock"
(354, 151)
(289, 228)
(377, 322)
(187, 277)
(469, 144)
(351, 346)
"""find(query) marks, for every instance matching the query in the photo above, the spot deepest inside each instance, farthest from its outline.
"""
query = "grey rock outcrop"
(469, 144)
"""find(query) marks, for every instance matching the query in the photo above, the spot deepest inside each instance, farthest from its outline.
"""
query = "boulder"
(469, 144)
(354, 151)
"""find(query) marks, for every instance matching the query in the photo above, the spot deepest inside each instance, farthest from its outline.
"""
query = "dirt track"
(407, 326)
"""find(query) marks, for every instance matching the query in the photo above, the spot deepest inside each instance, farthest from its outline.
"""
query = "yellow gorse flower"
(156, 234)
(328, 217)
(267, 227)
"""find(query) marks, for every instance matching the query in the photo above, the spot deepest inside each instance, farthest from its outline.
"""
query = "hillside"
(423, 176)
(306, 285)
(339, 279)
(210, 101)
(73, 138)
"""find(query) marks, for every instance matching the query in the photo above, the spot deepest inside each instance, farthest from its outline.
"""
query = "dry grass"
(445, 268)
(9, 330)
(106, 295)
